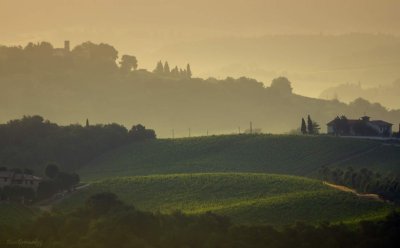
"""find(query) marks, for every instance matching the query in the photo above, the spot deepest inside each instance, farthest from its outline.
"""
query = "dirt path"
(361, 195)
(47, 205)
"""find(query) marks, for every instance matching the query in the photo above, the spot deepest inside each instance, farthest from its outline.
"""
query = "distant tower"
(87, 122)
(66, 46)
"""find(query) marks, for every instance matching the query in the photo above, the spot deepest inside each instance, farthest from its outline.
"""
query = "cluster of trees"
(34, 141)
(106, 222)
(87, 57)
(365, 181)
(174, 72)
(56, 181)
(311, 127)
(42, 56)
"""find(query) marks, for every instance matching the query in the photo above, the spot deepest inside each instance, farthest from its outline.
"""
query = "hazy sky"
(163, 21)
(143, 27)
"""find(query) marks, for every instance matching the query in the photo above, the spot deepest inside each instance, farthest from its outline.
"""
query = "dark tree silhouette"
(52, 171)
(140, 133)
(281, 86)
(175, 71)
(128, 63)
(166, 68)
(188, 71)
(159, 68)
(303, 126)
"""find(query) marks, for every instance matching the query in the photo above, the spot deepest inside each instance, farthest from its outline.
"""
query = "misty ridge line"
(70, 85)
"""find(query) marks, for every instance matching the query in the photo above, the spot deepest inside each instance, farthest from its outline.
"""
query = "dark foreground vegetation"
(105, 221)
(32, 142)
(365, 181)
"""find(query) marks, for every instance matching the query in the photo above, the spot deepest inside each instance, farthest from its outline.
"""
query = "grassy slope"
(296, 155)
(245, 197)
(12, 214)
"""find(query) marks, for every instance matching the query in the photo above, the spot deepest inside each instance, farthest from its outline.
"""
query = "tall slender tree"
(188, 71)
(159, 68)
(303, 126)
(166, 68)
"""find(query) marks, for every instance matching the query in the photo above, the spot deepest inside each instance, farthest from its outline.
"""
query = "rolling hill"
(246, 198)
(13, 214)
(283, 154)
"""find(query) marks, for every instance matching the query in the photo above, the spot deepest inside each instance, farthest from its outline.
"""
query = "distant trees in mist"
(86, 57)
(94, 80)
(164, 70)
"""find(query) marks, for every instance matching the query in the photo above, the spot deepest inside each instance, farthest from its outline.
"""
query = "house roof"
(381, 123)
(19, 176)
(375, 122)
(351, 122)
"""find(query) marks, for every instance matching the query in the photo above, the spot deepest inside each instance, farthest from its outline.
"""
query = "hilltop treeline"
(32, 142)
(365, 181)
(93, 80)
(105, 221)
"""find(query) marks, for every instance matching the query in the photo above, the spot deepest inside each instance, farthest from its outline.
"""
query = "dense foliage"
(365, 181)
(107, 222)
(32, 142)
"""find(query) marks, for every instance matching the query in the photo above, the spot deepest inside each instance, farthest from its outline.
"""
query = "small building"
(62, 52)
(10, 178)
(363, 127)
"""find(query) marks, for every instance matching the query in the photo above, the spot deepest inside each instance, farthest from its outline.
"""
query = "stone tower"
(66, 46)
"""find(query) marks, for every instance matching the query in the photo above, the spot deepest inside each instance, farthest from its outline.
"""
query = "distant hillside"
(87, 82)
(295, 155)
(246, 198)
(312, 62)
(385, 94)
(13, 214)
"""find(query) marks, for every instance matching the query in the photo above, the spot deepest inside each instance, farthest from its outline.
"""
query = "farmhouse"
(361, 127)
(10, 178)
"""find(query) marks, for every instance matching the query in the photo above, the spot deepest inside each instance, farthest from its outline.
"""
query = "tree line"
(365, 181)
(164, 69)
(311, 127)
(106, 222)
(86, 57)
(34, 142)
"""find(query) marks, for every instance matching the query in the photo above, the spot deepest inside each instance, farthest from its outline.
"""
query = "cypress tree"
(159, 68)
(166, 68)
(188, 71)
(303, 126)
